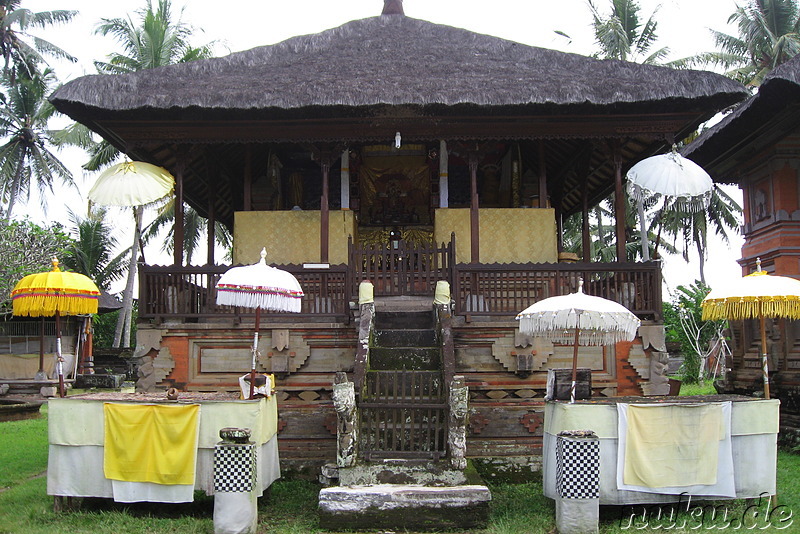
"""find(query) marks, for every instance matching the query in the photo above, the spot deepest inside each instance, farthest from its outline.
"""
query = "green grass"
(290, 506)
(706, 387)
(23, 450)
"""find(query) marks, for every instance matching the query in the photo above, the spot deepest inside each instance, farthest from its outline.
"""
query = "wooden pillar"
(178, 224)
(324, 224)
(473, 211)
(542, 175)
(248, 178)
(444, 195)
(619, 204)
(211, 231)
(345, 188)
(586, 240)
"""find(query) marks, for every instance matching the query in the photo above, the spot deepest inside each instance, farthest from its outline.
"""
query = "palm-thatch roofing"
(760, 121)
(368, 78)
(396, 60)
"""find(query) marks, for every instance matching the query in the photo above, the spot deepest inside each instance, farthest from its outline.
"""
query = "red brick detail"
(477, 422)
(281, 424)
(179, 349)
(627, 377)
(532, 421)
(331, 423)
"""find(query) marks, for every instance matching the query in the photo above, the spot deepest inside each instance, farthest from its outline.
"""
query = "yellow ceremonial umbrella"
(756, 296)
(55, 293)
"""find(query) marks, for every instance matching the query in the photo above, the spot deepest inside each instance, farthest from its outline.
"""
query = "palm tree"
(155, 40)
(25, 156)
(92, 250)
(621, 34)
(769, 35)
(194, 230)
(692, 228)
(19, 55)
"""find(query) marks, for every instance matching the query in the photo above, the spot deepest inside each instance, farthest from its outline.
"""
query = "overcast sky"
(242, 24)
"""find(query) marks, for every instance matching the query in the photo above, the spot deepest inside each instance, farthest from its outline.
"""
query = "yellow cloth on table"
(150, 443)
(673, 445)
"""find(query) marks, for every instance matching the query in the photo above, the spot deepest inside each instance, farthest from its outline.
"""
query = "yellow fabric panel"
(755, 417)
(518, 235)
(507, 235)
(447, 220)
(22, 366)
(600, 418)
(290, 236)
(673, 445)
(150, 443)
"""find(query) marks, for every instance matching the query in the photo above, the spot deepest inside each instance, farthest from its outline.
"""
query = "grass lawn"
(290, 508)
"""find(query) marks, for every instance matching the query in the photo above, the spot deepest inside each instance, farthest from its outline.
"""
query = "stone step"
(399, 471)
(406, 337)
(404, 506)
(396, 320)
(396, 358)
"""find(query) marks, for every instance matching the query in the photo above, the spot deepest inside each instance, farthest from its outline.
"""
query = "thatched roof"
(396, 60)
(755, 124)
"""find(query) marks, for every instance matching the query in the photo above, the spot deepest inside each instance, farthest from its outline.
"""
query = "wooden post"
(444, 193)
(324, 224)
(177, 229)
(542, 175)
(248, 178)
(345, 182)
(211, 231)
(586, 240)
(474, 209)
(619, 204)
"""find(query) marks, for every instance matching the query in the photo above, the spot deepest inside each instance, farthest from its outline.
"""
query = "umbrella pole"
(59, 360)
(764, 364)
(575, 357)
(255, 352)
(40, 374)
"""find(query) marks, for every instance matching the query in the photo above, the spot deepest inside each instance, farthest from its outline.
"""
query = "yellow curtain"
(150, 443)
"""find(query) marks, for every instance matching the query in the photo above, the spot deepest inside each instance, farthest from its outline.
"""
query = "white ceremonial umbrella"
(580, 319)
(673, 177)
(259, 286)
(756, 296)
(131, 184)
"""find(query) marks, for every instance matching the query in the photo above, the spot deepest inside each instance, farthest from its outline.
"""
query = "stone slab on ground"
(402, 506)
(404, 472)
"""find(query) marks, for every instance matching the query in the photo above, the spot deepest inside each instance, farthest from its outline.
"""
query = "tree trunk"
(124, 319)
(700, 253)
(14, 189)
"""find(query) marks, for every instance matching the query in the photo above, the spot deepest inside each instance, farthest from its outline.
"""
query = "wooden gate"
(403, 268)
(403, 415)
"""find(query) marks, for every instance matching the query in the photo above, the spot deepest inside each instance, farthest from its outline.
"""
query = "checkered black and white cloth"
(578, 467)
(234, 468)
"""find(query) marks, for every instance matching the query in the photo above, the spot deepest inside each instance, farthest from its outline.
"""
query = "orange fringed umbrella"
(55, 293)
(756, 296)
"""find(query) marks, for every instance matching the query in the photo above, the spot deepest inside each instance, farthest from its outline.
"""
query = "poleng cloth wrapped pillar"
(442, 294)
(235, 498)
(366, 292)
(577, 482)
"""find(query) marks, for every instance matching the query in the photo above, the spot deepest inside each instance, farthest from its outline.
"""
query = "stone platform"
(404, 506)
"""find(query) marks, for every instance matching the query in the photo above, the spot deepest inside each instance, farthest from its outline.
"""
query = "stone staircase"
(400, 468)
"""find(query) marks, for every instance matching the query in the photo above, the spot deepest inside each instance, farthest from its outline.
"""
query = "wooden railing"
(404, 269)
(478, 289)
(189, 292)
(507, 289)
(403, 414)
